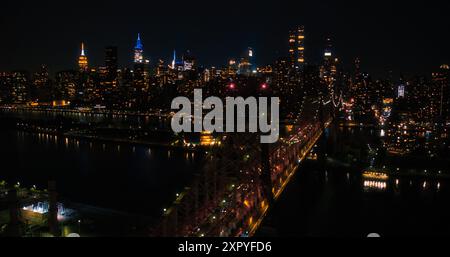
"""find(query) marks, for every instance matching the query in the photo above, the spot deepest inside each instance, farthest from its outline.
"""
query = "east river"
(333, 198)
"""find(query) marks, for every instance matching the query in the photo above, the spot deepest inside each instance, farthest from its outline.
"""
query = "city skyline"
(238, 119)
(137, 56)
(379, 43)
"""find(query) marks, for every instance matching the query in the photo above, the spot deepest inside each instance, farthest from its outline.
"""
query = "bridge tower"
(53, 209)
(14, 226)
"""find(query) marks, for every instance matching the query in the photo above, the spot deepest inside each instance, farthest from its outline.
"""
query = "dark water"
(324, 199)
(88, 118)
(135, 179)
(333, 199)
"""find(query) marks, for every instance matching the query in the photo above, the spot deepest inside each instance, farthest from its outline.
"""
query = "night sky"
(406, 37)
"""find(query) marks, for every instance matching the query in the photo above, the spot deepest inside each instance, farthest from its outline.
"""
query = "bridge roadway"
(240, 205)
(290, 171)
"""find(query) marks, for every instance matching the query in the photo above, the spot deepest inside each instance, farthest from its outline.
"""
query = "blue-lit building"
(177, 64)
(139, 51)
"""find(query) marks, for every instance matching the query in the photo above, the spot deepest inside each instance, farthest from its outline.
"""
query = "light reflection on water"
(133, 178)
(334, 199)
(375, 185)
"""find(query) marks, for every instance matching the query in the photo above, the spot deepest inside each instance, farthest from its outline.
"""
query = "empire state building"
(83, 60)
(139, 51)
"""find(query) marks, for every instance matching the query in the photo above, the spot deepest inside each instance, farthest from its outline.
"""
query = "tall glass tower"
(297, 47)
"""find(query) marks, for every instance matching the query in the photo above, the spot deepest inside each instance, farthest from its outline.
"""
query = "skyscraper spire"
(82, 59)
(139, 50)
(174, 60)
(138, 42)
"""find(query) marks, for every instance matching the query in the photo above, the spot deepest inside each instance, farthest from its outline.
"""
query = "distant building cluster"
(422, 101)
(146, 84)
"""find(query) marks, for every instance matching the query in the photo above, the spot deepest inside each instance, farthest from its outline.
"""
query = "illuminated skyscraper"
(329, 69)
(357, 67)
(442, 91)
(83, 60)
(139, 51)
(174, 59)
(108, 78)
(14, 86)
(177, 64)
(19, 86)
(41, 88)
(251, 59)
(297, 47)
(41, 78)
(232, 67)
(141, 77)
(189, 61)
(246, 65)
(5, 82)
(328, 54)
(66, 82)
